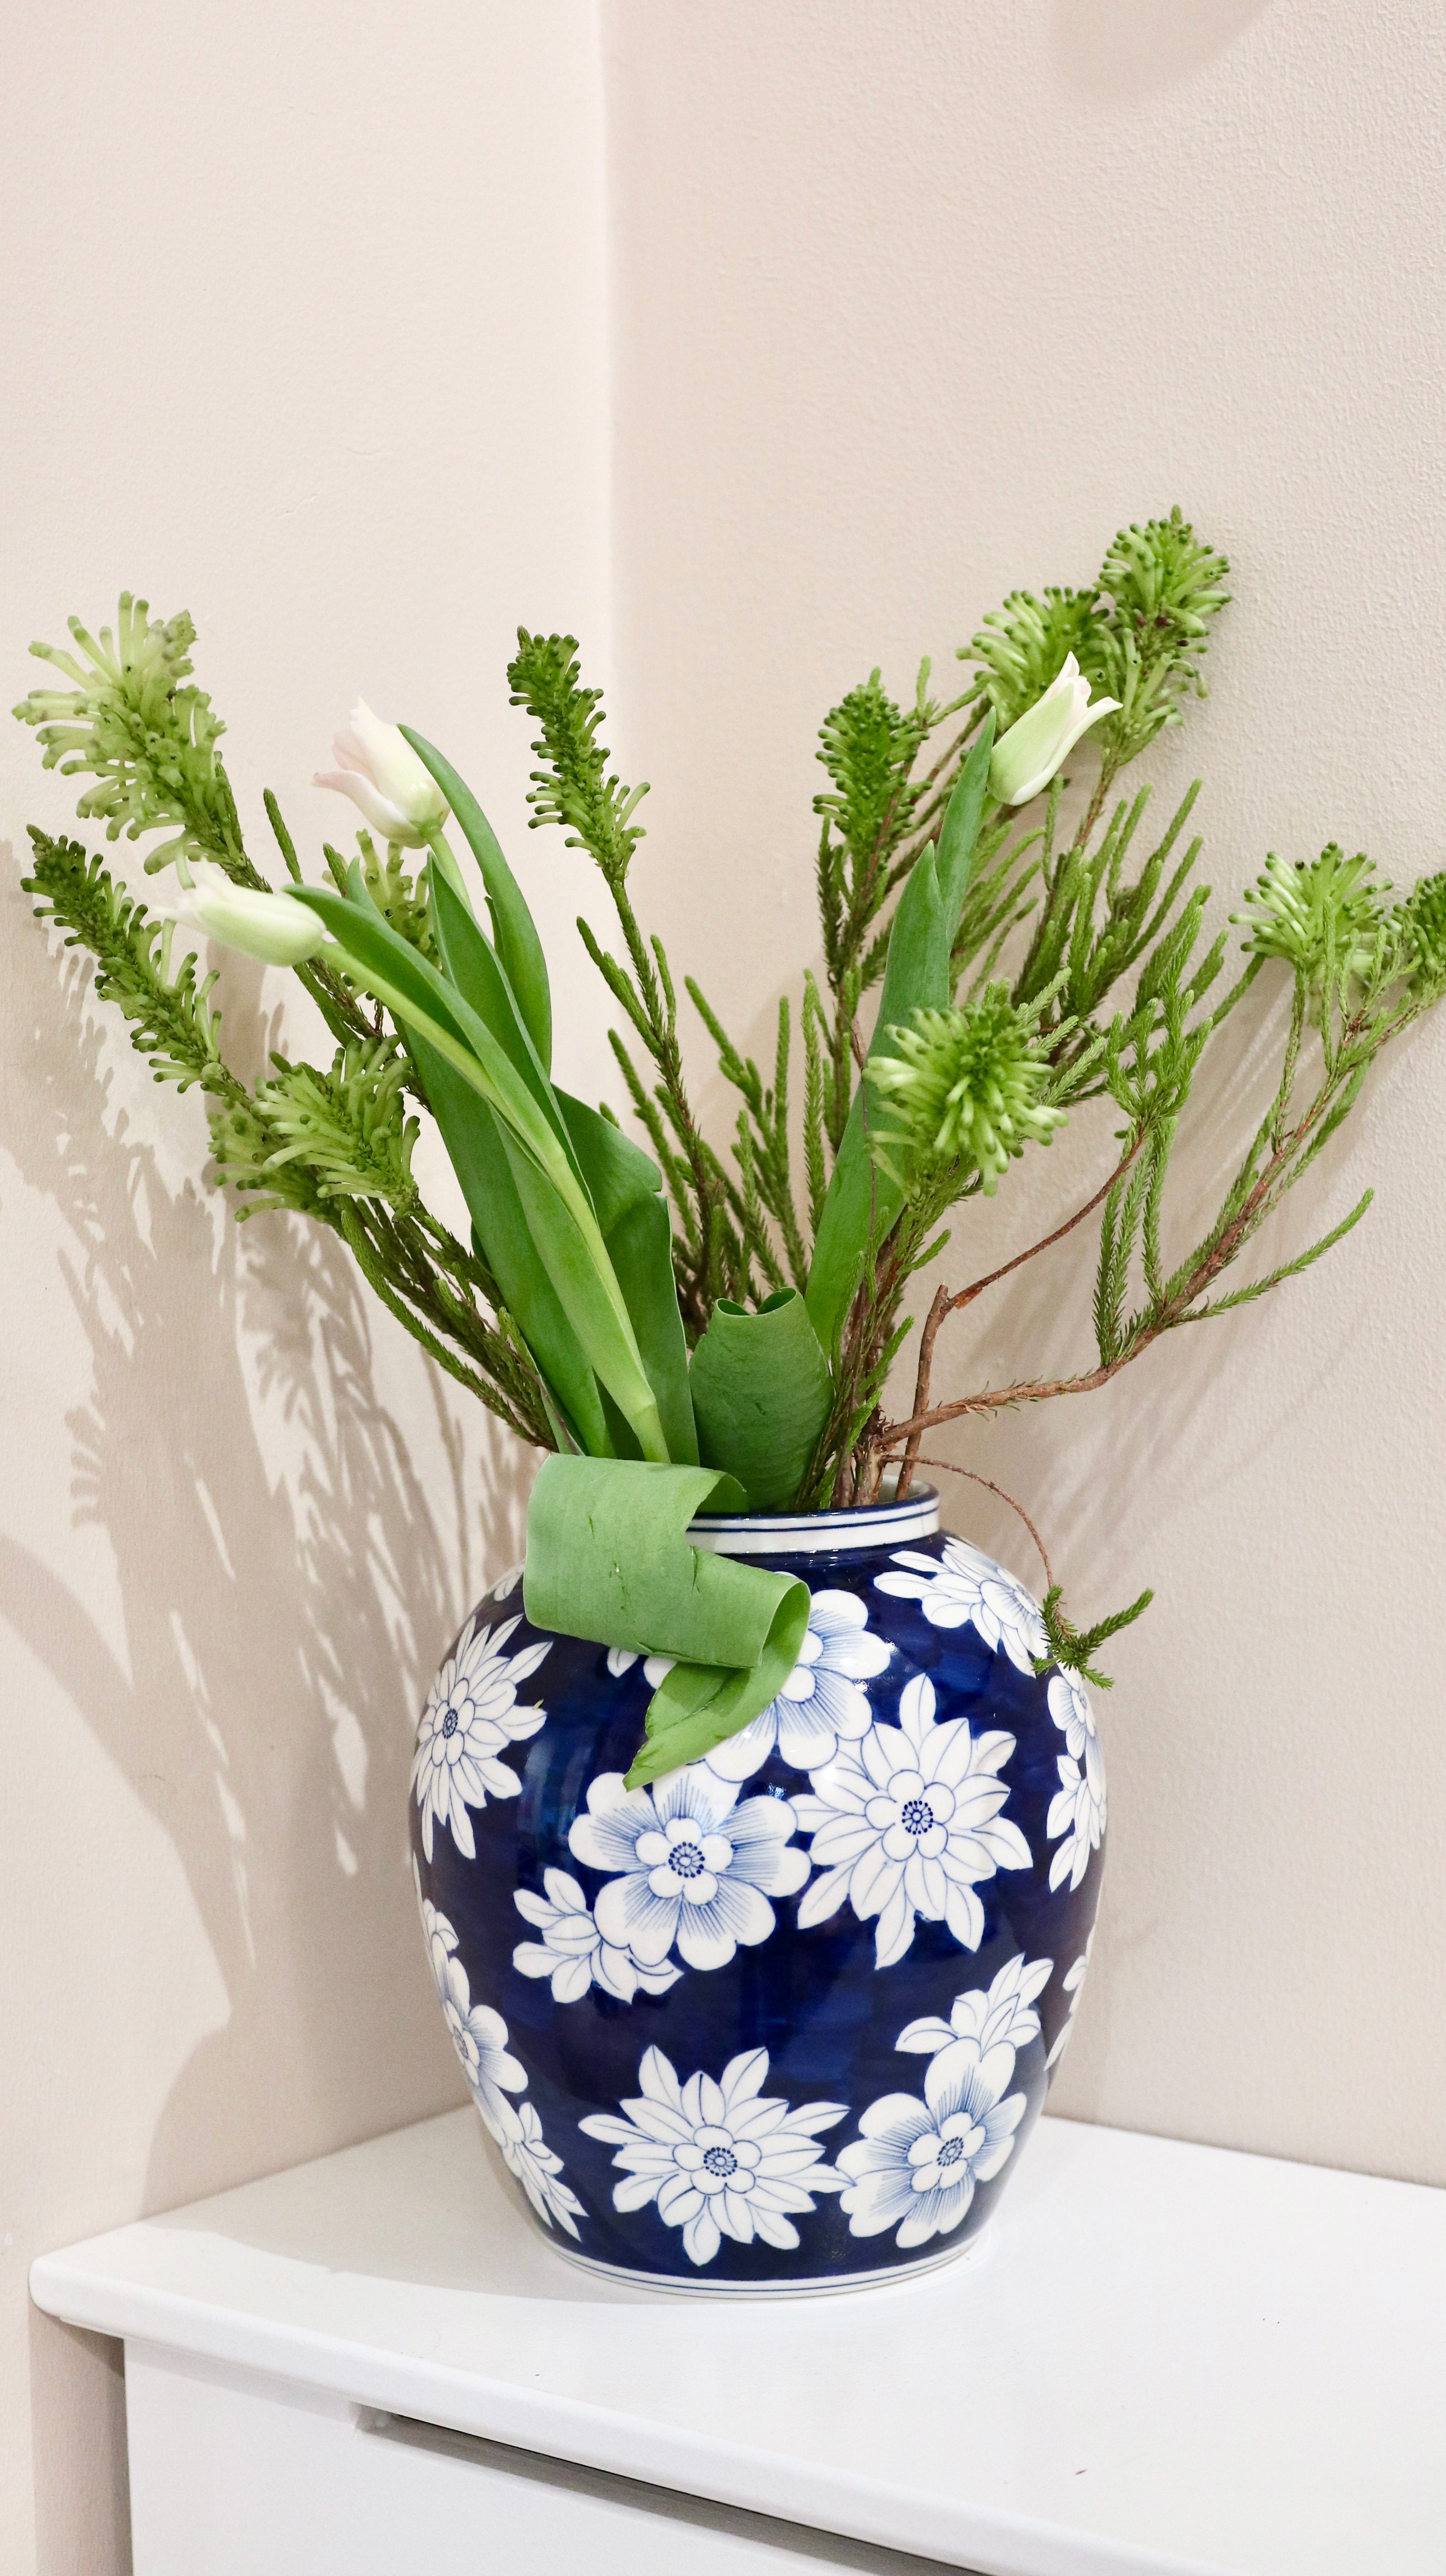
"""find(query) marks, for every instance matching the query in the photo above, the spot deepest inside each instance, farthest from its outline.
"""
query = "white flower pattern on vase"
(1077, 1809)
(907, 1822)
(470, 1718)
(968, 1586)
(478, 2034)
(1003, 2017)
(686, 1864)
(526, 2153)
(1073, 1984)
(821, 1704)
(719, 2158)
(916, 2164)
(572, 1951)
(656, 1668)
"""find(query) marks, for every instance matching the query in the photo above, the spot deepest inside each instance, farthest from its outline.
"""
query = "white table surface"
(1167, 2357)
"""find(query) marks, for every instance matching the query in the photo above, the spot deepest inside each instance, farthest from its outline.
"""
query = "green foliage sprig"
(1073, 1647)
(574, 786)
(136, 722)
(172, 1022)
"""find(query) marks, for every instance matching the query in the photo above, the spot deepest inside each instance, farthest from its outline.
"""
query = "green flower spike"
(964, 1092)
(1422, 921)
(1295, 909)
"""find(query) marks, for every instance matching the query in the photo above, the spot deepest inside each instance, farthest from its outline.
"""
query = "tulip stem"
(446, 859)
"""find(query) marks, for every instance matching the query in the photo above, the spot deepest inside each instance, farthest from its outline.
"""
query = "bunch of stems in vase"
(729, 1326)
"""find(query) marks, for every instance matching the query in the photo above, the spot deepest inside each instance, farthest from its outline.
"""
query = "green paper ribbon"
(608, 1558)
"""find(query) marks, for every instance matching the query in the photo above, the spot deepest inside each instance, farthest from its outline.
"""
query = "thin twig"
(977, 1479)
(944, 1305)
(966, 1296)
(1024, 1391)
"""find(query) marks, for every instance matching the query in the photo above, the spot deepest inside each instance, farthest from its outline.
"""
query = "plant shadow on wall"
(1132, 48)
(275, 1654)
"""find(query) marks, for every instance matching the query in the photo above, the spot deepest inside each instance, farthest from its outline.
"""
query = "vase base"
(827, 2287)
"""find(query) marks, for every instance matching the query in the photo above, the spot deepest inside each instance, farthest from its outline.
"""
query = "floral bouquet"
(696, 1328)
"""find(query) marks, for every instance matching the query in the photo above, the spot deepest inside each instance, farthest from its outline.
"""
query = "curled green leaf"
(609, 1557)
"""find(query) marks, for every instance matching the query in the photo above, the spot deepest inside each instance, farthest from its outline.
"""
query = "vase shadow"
(286, 1584)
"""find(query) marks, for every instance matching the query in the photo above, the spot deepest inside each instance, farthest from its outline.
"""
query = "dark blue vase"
(785, 2019)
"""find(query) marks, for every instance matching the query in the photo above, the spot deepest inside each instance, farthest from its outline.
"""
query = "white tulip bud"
(268, 926)
(378, 769)
(1028, 756)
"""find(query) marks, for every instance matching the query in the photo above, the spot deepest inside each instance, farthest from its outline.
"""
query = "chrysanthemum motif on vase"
(686, 1864)
(823, 1703)
(785, 2017)
(719, 2158)
(470, 1718)
(967, 1587)
(909, 1823)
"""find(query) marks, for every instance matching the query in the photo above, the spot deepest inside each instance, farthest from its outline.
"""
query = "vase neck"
(819, 1533)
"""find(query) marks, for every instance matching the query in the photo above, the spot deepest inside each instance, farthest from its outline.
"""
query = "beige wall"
(305, 332)
(309, 330)
(918, 303)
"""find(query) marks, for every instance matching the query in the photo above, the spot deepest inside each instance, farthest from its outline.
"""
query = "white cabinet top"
(1167, 2358)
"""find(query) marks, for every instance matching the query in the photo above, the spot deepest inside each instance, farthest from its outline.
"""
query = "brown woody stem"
(944, 1305)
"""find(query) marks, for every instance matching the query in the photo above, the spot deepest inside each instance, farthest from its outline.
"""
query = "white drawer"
(236, 2475)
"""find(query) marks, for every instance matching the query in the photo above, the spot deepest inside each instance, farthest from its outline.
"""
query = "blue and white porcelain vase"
(784, 2020)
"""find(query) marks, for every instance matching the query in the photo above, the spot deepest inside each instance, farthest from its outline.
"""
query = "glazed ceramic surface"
(785, 2019)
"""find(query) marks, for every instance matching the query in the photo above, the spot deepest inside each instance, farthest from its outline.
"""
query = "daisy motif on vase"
(470, 1718)
(478, 2034)
(1004, 2016)
(907, 1822)
(1073, 1986)
(686, 1863)
(821, 1705)
(719, 2158)
(968, 1586)
(1077, 1809)
(572, 1951)
(526, 2153)
(916, 2164)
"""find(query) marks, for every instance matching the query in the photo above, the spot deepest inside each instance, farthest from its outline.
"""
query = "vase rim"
(841, 1533)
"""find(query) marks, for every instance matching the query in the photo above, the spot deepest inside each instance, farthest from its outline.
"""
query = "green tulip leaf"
(626, 1187)
(513, 928)
(761, 1395)
(478, 1155)
(564, 1224)
(471, 963)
